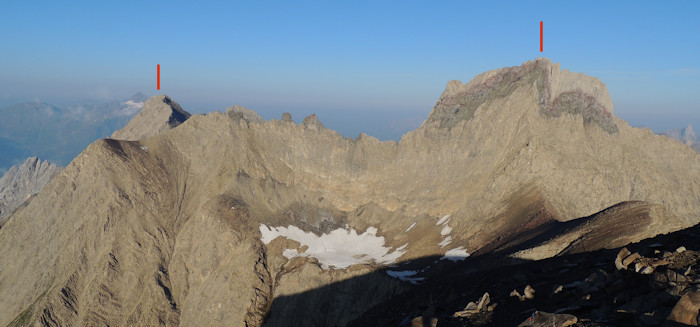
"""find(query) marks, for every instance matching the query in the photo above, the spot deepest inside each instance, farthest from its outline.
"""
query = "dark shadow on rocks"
(587, 285)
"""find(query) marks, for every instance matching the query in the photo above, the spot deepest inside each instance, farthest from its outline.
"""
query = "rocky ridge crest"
(160, 113)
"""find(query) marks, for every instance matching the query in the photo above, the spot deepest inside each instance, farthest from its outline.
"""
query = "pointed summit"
(160, 113)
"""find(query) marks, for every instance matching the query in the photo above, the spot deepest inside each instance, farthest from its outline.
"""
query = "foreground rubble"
(651, 283)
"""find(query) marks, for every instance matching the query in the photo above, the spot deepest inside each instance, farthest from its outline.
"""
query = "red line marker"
(541, 47)
(159, 76)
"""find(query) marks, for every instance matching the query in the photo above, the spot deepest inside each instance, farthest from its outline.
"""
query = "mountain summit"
(557, 92)
(228, 218)
(158, 114)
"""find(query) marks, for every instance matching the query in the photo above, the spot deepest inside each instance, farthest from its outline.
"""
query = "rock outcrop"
(22, 182)
(158, 114)
(226, 218)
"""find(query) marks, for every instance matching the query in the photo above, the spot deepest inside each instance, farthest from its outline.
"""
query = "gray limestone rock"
(22, 182)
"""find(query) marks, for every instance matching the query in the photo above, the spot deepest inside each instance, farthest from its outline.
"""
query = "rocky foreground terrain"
(654, 282)
(516, 178)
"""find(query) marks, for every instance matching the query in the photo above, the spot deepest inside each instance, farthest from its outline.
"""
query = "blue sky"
(361, 66)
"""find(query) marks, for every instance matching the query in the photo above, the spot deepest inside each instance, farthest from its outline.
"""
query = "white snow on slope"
(445, 241)
(339, 249)
(456, 254)
(409, 227)
(443, 220)
(446, 230)
(405, 276)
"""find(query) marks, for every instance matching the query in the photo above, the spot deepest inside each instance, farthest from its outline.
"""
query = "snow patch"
(409, 227)
(445, 242)
(339, 249)
(443, 220)
(456, 254)
(406, 276)
(446, 230)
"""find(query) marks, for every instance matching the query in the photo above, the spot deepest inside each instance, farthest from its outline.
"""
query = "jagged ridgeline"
(227, 219)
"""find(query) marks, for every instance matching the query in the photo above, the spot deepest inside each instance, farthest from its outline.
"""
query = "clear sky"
(372, 66)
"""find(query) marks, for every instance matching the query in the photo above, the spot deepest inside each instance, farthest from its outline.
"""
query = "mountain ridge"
(158, 114)
(208, 207)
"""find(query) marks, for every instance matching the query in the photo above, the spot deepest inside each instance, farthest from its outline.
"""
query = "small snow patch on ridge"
(445, 242)
(456, 254)
(444, 220)
(409, 227)
(339, 249)
(446, 230)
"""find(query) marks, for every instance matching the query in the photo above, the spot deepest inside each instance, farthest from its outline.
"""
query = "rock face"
(226, 218)
(22, 182)
(158, 114)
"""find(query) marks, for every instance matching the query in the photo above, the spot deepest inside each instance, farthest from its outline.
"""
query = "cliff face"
(221, 218)
(22, 182)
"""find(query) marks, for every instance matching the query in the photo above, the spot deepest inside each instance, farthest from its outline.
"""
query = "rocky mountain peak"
(311, 121)
(159, 113)
(557, 92)
(287, 117)
(245, 113)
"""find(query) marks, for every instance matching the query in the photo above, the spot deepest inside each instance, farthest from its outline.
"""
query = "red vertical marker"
(541, 47)
(159, 76)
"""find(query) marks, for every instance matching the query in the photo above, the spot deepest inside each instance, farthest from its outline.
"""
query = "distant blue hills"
(59, 134)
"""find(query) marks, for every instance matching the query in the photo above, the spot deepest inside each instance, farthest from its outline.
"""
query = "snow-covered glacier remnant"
(339, 249)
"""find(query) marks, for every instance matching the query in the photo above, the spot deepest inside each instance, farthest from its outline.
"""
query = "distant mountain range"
(685, 135)
(58, 134)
